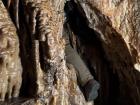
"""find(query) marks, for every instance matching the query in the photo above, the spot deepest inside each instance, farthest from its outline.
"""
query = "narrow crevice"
(94, 52)
(27, 56)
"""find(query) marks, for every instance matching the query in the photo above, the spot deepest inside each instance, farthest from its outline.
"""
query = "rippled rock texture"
(10, 64)
(33, 70)
(46, 79)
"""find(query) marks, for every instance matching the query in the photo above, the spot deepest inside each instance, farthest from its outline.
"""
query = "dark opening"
(78, 23)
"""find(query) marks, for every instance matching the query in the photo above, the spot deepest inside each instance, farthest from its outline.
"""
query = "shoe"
(91, 90)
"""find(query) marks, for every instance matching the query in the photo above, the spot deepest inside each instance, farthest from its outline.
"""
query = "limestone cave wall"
(33, 69)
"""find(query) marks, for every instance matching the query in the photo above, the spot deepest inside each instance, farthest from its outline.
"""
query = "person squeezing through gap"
(86, 80)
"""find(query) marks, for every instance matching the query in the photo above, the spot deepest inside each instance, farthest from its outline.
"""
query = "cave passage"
(76, 19)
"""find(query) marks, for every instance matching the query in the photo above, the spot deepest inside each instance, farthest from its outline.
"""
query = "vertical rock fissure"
(114, 76)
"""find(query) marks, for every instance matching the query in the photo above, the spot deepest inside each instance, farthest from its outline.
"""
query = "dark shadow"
(29, 85)
(14, 101)
(111, 64)
(137, 77)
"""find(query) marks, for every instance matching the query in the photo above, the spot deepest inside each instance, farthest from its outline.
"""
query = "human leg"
(85, 78)
(73, 58)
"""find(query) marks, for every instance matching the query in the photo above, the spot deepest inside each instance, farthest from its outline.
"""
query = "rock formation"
(124, 16)
(33, 70)
(10, 64)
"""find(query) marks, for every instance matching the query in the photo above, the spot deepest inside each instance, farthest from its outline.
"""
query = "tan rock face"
(45, 74)
(59, 85)
(10, 64)
(124, 16)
